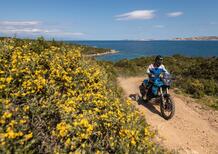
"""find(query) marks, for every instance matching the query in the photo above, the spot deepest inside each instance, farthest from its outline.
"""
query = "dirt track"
(193, 129)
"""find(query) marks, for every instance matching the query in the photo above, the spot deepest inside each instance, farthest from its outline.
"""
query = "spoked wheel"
(167, 107)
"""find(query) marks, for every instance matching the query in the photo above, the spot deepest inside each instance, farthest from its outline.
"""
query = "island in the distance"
(199, 38)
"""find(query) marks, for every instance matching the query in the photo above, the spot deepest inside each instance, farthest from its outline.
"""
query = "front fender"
(166, 95)
(156, 85)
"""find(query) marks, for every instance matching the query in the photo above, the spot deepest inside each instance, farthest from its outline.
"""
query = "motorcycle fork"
(163, 94)
(161, 91)
(166, 90)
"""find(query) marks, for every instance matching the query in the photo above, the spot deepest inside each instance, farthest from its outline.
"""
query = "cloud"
(22, 30)
(39, 31)
(19, 23)
(33, 28)
(175, 14)
(137, 15)
(159, 26)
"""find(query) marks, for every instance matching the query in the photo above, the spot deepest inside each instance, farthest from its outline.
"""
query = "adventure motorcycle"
(158, 90)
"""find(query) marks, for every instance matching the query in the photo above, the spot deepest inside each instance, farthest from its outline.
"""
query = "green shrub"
(195, 87)
(215, 105)
(210, 87)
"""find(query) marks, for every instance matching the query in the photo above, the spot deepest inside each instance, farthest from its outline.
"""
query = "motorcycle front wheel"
(167, 107)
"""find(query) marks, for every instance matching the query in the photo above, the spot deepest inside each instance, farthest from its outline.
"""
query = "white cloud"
(159, 26)
(39, 31)
(19, 23)
(175, 14)
(22, 30)
(33, 28)
(137, 15)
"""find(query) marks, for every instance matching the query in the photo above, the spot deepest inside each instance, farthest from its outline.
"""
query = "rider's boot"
(144, 97)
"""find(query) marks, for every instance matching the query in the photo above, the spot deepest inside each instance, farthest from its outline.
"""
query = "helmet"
(158, 60)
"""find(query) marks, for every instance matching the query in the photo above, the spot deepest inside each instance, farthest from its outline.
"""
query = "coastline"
(198, 38)
(104, 53)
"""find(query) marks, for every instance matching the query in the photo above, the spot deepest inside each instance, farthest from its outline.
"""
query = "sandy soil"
(192, 130)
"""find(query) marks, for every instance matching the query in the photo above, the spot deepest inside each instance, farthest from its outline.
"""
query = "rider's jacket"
(156, 70)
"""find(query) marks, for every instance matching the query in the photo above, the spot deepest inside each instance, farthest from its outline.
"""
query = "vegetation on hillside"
(197, 76)
(54, 100)
(84, 49)
(90, 50)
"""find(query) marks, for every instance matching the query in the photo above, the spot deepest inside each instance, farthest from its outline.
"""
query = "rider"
(154, 70)
(157, 68)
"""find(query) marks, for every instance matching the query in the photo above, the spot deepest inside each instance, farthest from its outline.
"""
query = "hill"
(55, 100)
(199, 38)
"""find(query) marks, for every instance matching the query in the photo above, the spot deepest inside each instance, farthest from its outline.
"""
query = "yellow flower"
(9, 79)
(22, 121)
(133, 142)
(12, 123)
(63, 128)
(11, 134)
(28, 136)
(68, 141)
(84, 122)
(20, 133)
(7, 115)
(26, 108)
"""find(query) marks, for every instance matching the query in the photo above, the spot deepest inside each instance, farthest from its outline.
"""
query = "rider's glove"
(161, 75)
(152, 75)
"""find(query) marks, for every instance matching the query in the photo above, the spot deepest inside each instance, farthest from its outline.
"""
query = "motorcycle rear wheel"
(167, 105)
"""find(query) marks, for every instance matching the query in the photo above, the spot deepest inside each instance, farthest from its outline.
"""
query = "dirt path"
(192, 129)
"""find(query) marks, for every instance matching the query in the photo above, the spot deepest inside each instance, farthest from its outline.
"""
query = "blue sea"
(133, 49)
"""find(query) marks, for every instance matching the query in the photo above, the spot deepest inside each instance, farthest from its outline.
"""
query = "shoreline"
(104, 53)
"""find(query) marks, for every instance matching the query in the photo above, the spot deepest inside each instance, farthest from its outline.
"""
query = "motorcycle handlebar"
(160, 76)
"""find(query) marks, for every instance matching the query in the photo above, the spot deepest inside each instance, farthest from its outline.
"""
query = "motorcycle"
(158, 91)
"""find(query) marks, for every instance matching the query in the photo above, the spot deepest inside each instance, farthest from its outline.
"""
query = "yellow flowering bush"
(54, 100)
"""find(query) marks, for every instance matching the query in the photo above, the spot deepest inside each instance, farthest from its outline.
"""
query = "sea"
(135, 49)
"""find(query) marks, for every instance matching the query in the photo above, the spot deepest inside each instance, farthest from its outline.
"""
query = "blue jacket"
(156, 70)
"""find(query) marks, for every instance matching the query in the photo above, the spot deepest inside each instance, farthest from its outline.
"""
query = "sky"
(108, 19)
